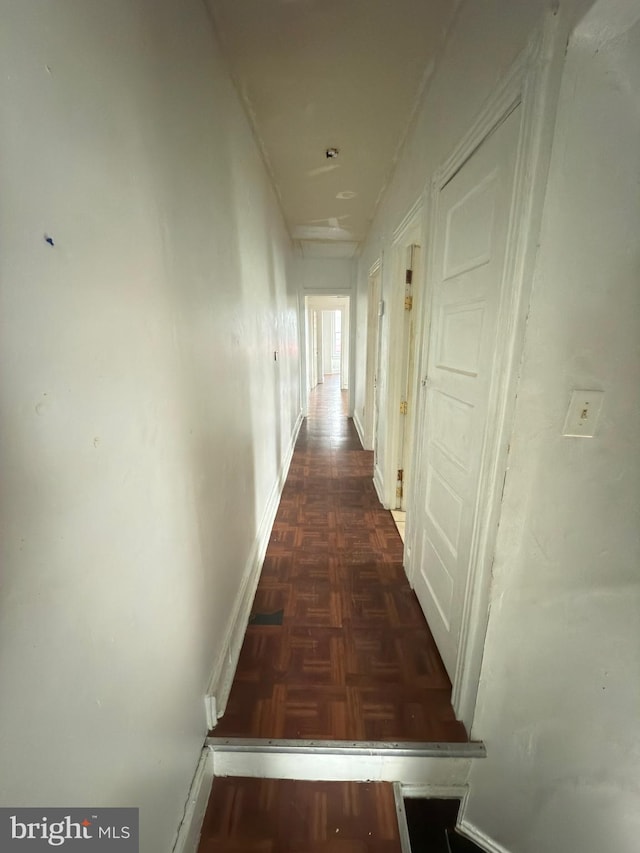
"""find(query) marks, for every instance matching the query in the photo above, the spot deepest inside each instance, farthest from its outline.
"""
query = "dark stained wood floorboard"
(280, 816)
(353, 658)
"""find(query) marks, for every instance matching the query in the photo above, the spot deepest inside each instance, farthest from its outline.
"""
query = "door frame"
(410, 230)
(319, 300)
(531, 84)
(311, 332)
(329, 318)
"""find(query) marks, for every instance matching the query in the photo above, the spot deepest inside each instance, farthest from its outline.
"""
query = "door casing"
(315, 300)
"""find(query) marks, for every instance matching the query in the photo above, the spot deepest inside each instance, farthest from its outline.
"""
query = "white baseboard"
(226, 663)
(478, 837)
(359, 428)
(189, 830)
(379, 485)
(438, 772)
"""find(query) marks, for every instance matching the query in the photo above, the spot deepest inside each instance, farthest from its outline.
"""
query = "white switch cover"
(582, 417)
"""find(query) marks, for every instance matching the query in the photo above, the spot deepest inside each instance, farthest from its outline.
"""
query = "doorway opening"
(408, 278)
(406, 294)
(328, 332)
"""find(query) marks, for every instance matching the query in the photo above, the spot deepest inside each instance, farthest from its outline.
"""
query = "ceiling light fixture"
(346, 194)
(331, 153)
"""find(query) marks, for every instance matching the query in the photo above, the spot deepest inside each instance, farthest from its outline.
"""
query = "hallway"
(337, 647)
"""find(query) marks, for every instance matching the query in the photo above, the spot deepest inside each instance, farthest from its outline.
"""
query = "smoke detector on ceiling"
(331, 153)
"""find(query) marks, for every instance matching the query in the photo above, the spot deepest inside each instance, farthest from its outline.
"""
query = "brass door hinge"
(403, 407)
(408, 303)
(400, 482)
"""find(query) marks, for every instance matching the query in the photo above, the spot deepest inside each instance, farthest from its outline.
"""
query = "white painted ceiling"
(316, 74)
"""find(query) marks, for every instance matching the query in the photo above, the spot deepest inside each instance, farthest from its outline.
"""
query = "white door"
(471, 234)
(405, 435)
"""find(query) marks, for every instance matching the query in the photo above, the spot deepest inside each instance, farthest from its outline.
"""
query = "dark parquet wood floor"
(279, 816)
(353, 658)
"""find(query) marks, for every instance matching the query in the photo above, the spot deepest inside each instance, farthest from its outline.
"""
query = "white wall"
(333, 275)
(560, 691)
(144, 419)
(559, 698)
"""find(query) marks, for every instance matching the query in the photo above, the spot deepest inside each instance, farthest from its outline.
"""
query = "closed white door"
(405, 449)
(473, 214)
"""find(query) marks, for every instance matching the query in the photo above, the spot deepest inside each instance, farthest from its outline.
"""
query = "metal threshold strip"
(474, 749)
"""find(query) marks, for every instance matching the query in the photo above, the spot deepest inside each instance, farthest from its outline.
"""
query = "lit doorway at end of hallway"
(327, 334)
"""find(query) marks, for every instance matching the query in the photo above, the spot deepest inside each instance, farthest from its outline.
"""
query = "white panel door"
(412, 260)
(469, 251)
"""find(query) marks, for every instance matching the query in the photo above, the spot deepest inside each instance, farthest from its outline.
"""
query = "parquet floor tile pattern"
(280, 816)
(353, 658)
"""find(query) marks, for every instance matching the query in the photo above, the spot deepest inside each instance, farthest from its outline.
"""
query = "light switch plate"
(582, 416)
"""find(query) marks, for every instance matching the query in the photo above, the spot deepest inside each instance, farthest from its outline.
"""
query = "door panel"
(451, 427)
(460, 336)
(444, 508)
(471, 233)
(469, 228)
